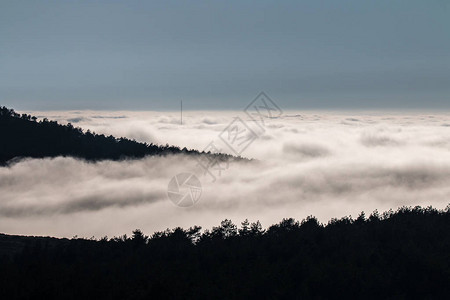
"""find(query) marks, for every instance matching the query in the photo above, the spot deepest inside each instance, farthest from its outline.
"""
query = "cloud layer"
(327, 164)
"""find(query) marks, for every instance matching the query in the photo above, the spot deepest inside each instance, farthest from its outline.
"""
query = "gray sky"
(135, 55)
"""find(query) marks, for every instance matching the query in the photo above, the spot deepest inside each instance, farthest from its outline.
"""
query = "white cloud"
(324, 164)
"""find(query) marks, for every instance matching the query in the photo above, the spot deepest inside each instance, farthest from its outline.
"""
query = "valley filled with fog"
(326, 164)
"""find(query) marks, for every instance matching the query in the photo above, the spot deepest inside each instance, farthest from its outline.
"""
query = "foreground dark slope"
(23, 136)
(401, 255)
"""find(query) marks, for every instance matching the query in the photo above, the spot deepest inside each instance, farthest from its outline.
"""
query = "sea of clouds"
(326, 164)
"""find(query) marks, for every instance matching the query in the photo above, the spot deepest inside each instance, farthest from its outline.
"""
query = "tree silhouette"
(23, 136)
(398, 255)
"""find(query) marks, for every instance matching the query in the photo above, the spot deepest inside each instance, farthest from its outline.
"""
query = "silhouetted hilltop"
(24, 136)
(395, 255)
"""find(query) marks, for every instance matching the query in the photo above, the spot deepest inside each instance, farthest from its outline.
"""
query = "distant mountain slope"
(24, 136)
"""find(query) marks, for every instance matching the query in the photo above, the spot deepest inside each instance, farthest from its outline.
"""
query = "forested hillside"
(24, 136)
(394, 255)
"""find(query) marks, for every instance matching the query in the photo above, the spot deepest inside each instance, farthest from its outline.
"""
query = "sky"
(217, 55)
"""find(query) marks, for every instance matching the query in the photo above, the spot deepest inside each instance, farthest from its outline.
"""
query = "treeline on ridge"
(395, 255)
(25, 136)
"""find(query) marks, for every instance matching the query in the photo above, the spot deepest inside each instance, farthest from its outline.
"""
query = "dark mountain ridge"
(25, 136)
(394, 255)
